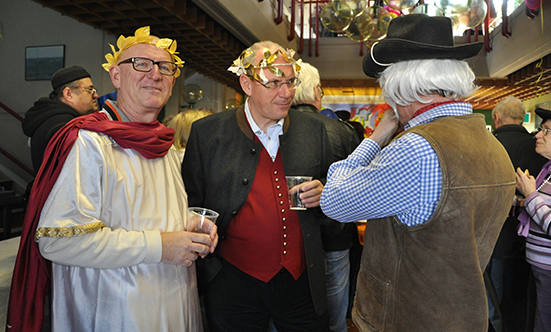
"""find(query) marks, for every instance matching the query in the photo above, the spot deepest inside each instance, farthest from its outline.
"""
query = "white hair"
(309, 79)
(406, 82)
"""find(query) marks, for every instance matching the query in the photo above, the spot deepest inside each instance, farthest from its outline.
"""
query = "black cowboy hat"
(543, 114)
(416, 37)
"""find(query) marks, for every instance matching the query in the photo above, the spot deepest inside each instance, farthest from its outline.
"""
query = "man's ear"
(317, 94)
(245, 82)
(115, 73)
(68, 93)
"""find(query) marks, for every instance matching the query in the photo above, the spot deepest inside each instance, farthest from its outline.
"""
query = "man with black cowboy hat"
(73, 95)
(435, 196)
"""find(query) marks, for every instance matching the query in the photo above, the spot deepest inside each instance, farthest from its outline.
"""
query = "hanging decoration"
(336, 16)
(361, 28)
(381, 19)
(362, 23)
(464, 14)
(356, 7)
(401, 5)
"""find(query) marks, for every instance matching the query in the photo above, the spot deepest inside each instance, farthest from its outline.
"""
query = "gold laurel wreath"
(142, 37)
(244, 64)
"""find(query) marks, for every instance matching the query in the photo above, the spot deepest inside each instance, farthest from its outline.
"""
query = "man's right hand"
(386, 128)
(183, 248)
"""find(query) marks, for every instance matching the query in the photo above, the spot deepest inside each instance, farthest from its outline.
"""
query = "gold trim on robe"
(71, 231)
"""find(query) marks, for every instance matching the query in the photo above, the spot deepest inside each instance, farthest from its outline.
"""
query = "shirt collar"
(113, 111)
(255, 128)
(452, 109)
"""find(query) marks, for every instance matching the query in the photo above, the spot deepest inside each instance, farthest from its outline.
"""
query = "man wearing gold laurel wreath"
(108, 209)
(270, 261)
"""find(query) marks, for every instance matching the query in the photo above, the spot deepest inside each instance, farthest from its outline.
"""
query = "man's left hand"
(310, 193)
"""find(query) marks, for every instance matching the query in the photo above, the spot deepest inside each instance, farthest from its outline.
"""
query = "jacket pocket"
(371, 301)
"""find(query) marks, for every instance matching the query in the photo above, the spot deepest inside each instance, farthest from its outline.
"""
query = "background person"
(337, 237)
(535, 221)
(269, 263)
(73, 95)
(108, 209)
(435, 197)
(508, 268)
(181, 123)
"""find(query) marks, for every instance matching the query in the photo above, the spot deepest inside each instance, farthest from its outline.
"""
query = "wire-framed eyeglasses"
(146, 65)
(92, 91)
(292, 84)
(544, 130)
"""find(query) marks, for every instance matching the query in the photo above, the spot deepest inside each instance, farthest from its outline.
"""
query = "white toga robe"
(101, 227)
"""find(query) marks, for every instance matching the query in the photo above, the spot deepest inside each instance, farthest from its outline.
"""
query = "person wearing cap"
(435, 195)
(73, 95)
(535, 221)
(508, 269)
(107, 224)
(337, 238)
(269, 264)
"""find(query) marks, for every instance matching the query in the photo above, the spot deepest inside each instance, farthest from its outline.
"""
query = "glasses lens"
(167, 68)
(142, 64)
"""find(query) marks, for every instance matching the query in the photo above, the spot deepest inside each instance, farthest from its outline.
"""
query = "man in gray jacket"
(337, 237)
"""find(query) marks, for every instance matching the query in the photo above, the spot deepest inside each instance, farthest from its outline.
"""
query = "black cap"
(68, 75)
(544, 114)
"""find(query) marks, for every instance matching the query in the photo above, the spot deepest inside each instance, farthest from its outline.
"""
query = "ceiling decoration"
(209, 48)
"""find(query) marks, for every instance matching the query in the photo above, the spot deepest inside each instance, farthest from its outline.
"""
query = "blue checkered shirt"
(403, 179)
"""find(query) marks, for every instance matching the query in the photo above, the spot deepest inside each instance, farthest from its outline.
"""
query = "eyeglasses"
(292, 84)
(321, 90)
(544, 130)
(92, 91)
(146, 65)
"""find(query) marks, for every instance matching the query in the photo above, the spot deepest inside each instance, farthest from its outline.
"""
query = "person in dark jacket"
(269, 263)
(507, 268)
(337, 237)
(73, 95)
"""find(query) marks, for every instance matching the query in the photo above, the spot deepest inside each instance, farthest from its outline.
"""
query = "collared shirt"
(403, 179)
(113, 111)
(269, 140)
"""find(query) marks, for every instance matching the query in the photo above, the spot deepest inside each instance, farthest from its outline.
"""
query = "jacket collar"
(244, 125)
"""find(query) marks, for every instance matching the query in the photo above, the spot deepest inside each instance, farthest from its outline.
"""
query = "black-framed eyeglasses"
(92, 91)
(146, 65)
(544, 130)
(292, 84)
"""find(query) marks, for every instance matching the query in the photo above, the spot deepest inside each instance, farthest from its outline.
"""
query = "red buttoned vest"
(266, 236)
